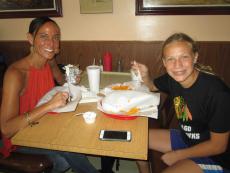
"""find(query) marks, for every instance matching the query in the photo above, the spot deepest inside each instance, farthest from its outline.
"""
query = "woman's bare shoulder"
(17, 71)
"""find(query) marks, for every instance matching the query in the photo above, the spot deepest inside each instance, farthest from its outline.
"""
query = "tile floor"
(126, 166)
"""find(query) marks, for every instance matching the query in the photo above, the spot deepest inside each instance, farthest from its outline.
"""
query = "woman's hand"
(78, 77)
(58, 100)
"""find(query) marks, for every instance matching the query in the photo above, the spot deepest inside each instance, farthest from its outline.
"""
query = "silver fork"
(70, 94)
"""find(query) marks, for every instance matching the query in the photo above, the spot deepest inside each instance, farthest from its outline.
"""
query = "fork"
(70, 94)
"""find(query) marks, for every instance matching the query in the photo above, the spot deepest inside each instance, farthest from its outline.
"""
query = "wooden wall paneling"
(83, 53)
(14, 50)
(223, 60)
(68, 53)
(150, 53)
(215, 54)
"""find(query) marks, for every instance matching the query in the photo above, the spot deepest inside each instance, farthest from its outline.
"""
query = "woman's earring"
(56, 51)
(31, 48)
(195, 61)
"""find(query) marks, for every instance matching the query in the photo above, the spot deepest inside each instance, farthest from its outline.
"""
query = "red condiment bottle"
(107, 62)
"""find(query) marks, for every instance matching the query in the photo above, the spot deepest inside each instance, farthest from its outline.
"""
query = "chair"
(25, 163)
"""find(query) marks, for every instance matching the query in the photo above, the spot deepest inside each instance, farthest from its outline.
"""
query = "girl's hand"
(141, 67)
(59, 100)
(170, 158)
(143, 71)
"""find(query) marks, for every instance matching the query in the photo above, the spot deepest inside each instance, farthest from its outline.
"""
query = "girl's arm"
(216, 145)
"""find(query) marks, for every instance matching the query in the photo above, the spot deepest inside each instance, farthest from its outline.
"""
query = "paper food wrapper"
(123, 102)
(70, 106)
(131, 85)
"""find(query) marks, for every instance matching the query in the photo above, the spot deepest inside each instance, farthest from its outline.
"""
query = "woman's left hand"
(78, 78)
(170, 158)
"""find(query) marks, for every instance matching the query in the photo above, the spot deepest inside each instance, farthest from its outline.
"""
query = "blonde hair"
(204, 68)
(180, 37)
(185, 38)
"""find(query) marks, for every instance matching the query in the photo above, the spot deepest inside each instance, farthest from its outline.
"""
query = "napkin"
(70, 106)
(124, 102)
(88, 96)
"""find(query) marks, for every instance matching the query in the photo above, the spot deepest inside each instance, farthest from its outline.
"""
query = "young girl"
(201, 101)
(25, 82)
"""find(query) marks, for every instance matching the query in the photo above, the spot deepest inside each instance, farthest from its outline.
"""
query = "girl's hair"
(181, 37)
(204, 68)
(177, 37)
(37, 23)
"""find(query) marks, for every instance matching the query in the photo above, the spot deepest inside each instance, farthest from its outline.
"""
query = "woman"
(25, 82)
(201, 102)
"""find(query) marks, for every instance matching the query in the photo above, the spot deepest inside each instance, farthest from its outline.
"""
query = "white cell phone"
(112, 135)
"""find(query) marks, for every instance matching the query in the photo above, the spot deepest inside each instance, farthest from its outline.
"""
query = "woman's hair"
(181, 37)
(37, 23)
